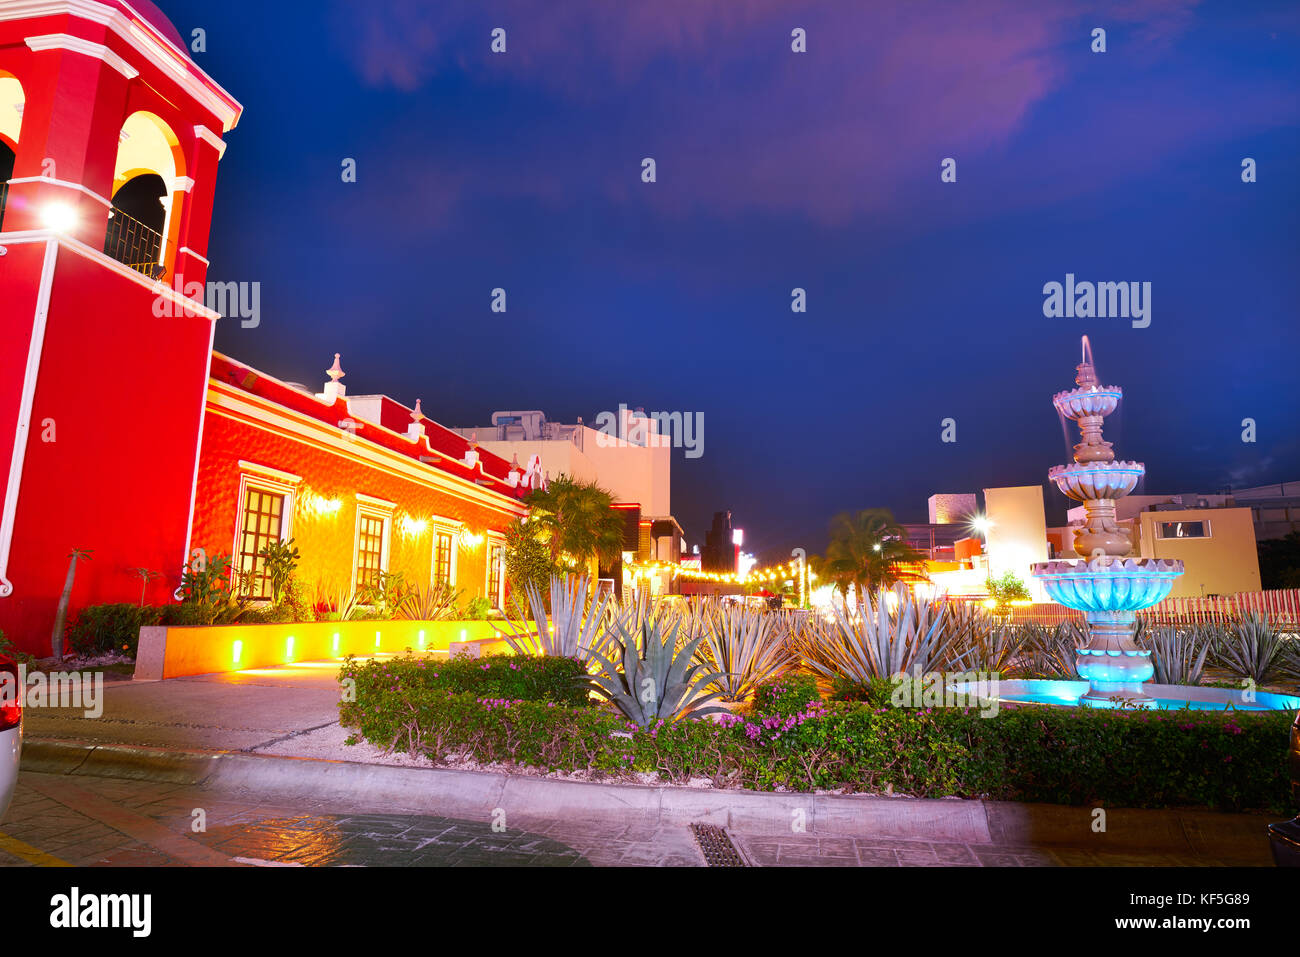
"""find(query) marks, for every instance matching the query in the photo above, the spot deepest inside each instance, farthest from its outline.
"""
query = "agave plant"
(881, 642)
(1178, 659)
(1249, 648)
(1050, 652)
(980, 642)
(656, 680)
(747, 647)
(435, 603)
(575, 625)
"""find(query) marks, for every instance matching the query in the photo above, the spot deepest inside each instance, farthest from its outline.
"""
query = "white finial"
(334, 388)
(416, 429)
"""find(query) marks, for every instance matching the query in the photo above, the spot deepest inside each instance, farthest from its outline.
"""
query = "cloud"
(736, 121)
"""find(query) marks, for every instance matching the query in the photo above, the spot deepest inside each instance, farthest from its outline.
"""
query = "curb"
(475, 794)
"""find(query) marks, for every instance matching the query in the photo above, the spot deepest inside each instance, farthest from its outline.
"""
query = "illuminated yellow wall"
(177, 652)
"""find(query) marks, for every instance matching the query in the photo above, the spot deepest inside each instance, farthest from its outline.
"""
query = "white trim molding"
(231, 402)
(439, 525)
(185, 306)
(288, 478)
(255, 477)
(37, 343)
(385, 515)
(379, 504)
(63, 184)
(145, 39)
(212, 139)
(66, 41)
(494, 540)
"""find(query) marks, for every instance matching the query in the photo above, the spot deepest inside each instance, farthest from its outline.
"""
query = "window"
(1183, 529)
(264, 514)
(443, 542)
(370, 551)
(370, 561)
(261, 524)
(496, 568)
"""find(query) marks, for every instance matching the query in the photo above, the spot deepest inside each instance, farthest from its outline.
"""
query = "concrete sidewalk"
(233, 711)
(274, 732)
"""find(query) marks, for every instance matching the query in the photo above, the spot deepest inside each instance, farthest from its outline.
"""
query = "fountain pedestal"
(1107, 586)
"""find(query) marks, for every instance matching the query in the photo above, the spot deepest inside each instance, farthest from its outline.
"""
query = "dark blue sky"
(777, 170)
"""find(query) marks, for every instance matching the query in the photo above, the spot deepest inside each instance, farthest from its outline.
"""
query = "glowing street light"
(59, 217)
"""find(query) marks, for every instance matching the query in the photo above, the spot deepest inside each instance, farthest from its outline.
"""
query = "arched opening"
(11, 123)
(136, 224)
(141, 226)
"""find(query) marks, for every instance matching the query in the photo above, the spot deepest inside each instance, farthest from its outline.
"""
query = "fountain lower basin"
(1061, 693)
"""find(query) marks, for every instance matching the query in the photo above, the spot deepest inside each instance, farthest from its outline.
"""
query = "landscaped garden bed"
(442, 711)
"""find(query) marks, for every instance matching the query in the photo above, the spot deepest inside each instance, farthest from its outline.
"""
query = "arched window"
(11, 122)
(145, 184)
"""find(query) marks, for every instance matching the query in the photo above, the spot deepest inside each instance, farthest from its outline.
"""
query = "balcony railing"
(4, 196)
(134, 244)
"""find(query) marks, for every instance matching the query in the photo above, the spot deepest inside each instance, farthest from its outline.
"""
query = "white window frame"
(263, 478)
(494, 540)
(1160, 530)
(444, 526)
(370, 507)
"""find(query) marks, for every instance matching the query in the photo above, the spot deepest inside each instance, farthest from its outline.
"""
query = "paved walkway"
(238, 711)
(293, 710)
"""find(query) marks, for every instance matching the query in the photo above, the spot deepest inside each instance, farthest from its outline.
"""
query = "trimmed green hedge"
(506, 677)
(1226, 761)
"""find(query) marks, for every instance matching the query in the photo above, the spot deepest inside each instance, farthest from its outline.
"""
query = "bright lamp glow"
(59, 217)
(981, 524)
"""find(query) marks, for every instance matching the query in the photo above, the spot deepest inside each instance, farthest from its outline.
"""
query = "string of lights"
(773, 573)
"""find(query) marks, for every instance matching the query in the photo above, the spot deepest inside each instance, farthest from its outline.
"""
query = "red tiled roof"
(491, 471)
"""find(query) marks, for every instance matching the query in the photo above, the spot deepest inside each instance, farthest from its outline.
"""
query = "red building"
(123, 433)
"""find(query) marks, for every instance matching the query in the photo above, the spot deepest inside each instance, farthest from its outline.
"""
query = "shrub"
(99, 629)
(477, 608)
(788, 694)
(875, 692)
(1221, 760)
(509, 677)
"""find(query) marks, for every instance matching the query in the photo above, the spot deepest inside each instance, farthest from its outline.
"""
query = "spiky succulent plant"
(573, 627)
(649, 678)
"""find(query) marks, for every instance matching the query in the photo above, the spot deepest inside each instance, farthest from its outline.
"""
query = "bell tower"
(110, 139)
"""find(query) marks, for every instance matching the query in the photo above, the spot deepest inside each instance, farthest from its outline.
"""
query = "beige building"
(1216, 546)
(634, 464)
(632, 461)
(1017, 533)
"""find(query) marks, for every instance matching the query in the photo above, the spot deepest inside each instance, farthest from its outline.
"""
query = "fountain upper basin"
(1088, 401)
(1086, 481)
(1109, 585)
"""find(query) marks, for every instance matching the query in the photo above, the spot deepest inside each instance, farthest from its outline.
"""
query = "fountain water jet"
(1108, 586)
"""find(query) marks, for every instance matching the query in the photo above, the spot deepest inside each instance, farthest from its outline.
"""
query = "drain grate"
(717, 847)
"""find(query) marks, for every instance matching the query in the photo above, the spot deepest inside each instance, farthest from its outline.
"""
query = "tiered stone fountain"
(1107, 585)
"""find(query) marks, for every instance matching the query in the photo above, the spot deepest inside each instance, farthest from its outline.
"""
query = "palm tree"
(865, 552)
(576, 522)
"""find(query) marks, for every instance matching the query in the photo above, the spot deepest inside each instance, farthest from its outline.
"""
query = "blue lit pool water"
(1167, 697)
